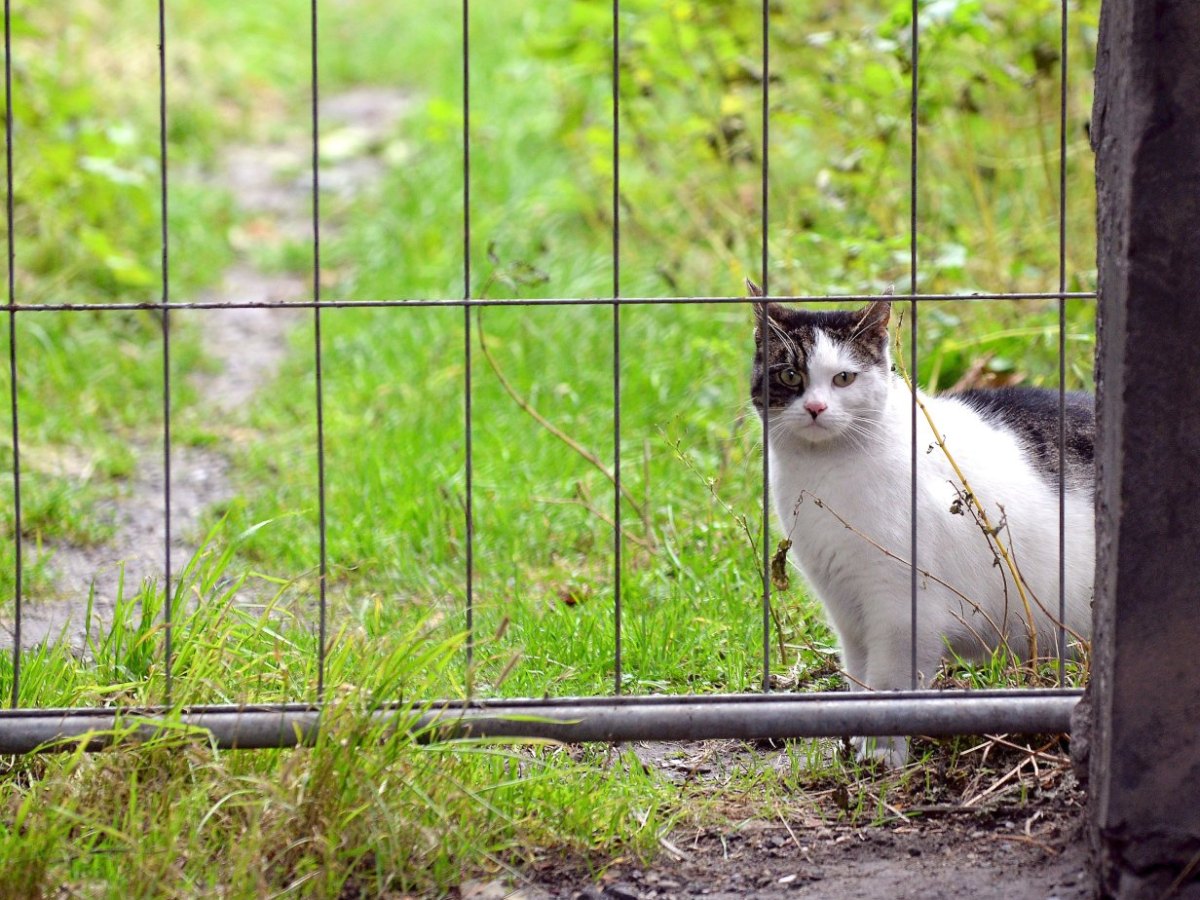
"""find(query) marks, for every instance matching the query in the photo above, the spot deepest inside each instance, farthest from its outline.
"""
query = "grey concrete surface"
(1145, 760)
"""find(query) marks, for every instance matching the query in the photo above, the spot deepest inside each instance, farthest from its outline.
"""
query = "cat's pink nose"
(815, 408)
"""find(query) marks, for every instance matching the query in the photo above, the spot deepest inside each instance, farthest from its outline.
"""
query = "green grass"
(543, 591)
(368, 808)
(541, 182)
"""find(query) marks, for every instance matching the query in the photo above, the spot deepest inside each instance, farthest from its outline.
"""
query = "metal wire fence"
(591, 719)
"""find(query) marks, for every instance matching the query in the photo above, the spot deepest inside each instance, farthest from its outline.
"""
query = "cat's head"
(829, 371)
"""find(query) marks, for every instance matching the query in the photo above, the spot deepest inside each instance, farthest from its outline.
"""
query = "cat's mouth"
(789, 426)
(815, 431)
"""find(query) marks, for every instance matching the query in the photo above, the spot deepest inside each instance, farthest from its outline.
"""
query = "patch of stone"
(713, 762)
(499, 890)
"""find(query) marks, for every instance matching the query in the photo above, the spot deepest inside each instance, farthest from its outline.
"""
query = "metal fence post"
(1145, 759)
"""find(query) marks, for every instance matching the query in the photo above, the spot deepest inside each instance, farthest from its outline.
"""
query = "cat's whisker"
(789, 343)
(864, 436)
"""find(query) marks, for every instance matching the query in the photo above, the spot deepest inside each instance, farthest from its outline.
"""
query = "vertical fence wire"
(168, 598)
(913, 361)
(319, 383)
(616, 337)
(1062, 349)
(468, 447)
(766, 349)
(12, 352)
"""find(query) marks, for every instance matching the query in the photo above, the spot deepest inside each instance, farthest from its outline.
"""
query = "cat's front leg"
(855, 671)
(854, 661)
(889, 668)
(890, 751)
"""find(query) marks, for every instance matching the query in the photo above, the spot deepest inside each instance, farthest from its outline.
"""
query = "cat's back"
(1035, 418)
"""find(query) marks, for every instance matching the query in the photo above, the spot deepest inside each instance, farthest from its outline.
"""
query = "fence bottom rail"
(570, 720)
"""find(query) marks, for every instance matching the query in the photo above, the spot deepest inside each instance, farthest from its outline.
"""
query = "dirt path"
(272, 187)
(1026, 845)
(956, 856)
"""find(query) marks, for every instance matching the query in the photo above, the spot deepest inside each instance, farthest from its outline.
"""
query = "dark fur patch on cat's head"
(864, 331)
(792, 334)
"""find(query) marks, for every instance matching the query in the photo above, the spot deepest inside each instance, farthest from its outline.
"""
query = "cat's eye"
(841, 379)
(791, 377)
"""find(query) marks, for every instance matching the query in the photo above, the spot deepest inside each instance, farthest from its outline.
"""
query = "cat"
(840, 448)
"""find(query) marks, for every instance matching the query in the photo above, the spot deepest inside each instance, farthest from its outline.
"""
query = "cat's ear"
(761, 310)
(873, 326)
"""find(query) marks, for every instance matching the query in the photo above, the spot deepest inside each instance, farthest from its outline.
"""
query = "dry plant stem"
(1007, 529)
(880, 801)
(1031, 758)
(508, 669)
(554, 429)
(672, 849)
(646, 479)
(1037, 754)
(783, 660)
(677, 446)
(962, 620)
(599, 514)
(792, 834)
(1012, 773)
(1032, 841)
(1188, 871)
(1034, 597)
(991, 532)
(925, 573)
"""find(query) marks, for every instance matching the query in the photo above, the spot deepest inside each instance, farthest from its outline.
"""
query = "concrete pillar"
(1145, 756)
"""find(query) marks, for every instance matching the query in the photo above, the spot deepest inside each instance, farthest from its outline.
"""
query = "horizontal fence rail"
(572, 720)
(539, 301)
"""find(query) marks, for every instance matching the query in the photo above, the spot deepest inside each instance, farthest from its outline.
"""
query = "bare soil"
(1020, 838)
(1019, 851)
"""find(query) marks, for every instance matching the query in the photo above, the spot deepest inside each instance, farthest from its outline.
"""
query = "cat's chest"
(859, 489)
(833, 510)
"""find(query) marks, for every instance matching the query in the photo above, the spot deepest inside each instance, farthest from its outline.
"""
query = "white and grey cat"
(840, 445)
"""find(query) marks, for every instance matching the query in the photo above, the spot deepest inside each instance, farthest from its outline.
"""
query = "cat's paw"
(890, 752)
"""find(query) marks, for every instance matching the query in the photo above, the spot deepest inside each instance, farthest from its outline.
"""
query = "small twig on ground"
(996, 785)
(673, 850)
(1040, 754)
(795, 840)
(889, 807)
(942, 809)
